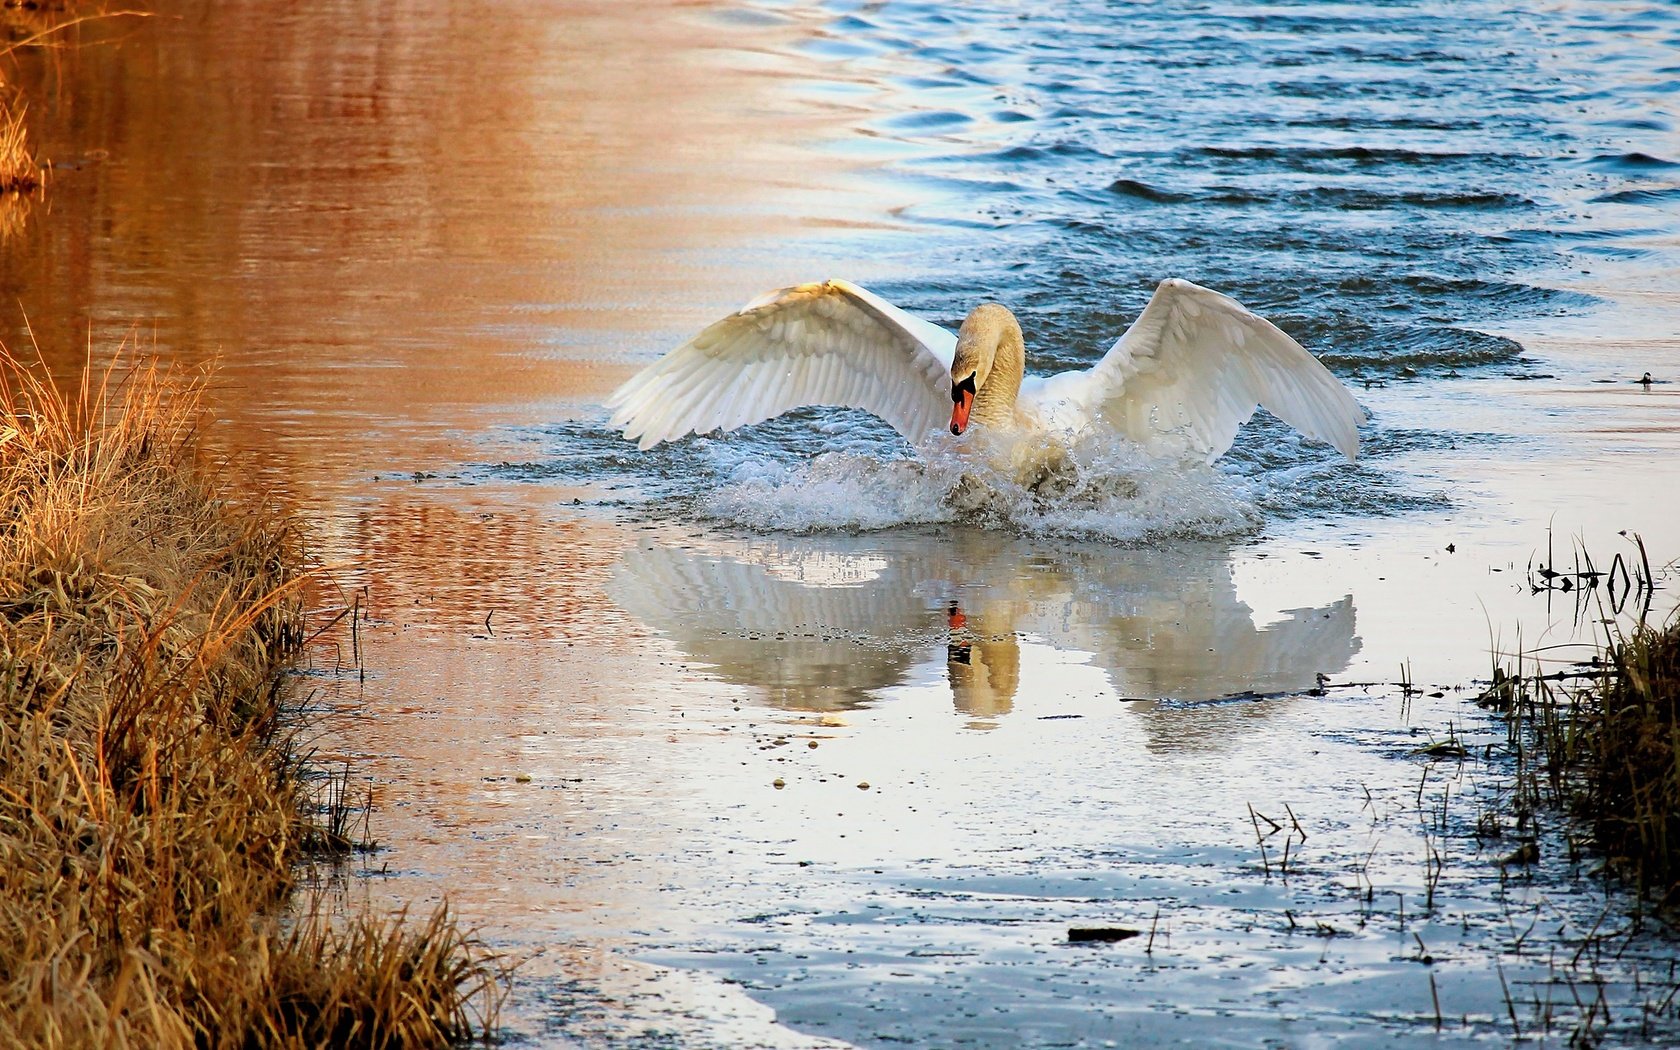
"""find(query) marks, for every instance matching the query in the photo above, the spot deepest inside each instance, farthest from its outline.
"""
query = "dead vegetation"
(19, 172)
(152, 814)
(1601, 740)
(1630, 744)
(33, 27)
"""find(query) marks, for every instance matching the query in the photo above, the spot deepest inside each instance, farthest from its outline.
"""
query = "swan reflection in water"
(824, 624)
(985, 670)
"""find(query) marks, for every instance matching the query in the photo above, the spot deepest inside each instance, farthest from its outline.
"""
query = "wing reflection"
(828, 623)
(818, 629)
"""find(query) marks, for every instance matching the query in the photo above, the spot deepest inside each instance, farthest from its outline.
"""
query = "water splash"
(1098, 488)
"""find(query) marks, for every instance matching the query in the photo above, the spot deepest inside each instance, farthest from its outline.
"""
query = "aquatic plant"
(1628, 743)
(1601, 740)
(152, 808)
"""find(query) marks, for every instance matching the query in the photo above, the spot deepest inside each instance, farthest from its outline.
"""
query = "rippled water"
(786, 737)
(1411, 194)
(1394, 191)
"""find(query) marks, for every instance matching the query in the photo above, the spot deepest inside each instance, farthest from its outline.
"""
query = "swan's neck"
(994, 403)
(993, 331)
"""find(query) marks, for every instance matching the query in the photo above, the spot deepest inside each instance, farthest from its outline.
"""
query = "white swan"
(1181, 380)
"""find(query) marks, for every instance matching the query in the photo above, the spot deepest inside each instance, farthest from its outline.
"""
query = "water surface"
(761, 740)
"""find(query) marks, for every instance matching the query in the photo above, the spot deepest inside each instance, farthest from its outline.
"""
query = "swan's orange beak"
(958, 652)
(962, 401)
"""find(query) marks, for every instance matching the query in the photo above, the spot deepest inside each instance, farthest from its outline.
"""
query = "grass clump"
(19, 173)
(1601, 740)
(151, 812)
(1629, 746)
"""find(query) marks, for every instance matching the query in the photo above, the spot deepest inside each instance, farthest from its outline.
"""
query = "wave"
(1344, 198)
(1632, 163)
(1144, 191)
(1665, 195)
(1305, 156)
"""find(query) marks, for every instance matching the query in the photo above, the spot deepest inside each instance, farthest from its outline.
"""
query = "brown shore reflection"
(835, 623)
(482, 562)
(384, 220)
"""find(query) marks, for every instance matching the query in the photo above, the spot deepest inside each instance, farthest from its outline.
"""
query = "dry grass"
(19, 172)
(1601, 741)
(1628, 743)
(150, 813)
(34, 26)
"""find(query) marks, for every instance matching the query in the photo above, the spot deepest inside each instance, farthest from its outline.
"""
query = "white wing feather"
(832, 343)
(1192, 369)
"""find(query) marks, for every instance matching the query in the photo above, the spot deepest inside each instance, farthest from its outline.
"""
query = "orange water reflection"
(385, 220)
(396, 226)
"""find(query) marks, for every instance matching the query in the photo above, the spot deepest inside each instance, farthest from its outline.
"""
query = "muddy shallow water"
(757, 740)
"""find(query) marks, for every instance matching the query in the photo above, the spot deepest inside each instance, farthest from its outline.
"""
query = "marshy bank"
(1598, 741)
(1628, 744)
(153, 809)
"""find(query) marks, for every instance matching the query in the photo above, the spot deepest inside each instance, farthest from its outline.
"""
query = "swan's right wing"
(832, 343)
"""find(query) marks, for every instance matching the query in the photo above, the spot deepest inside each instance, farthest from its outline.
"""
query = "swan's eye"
(959, 389)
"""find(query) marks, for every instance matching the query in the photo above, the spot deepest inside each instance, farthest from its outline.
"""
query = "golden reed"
(152, 813)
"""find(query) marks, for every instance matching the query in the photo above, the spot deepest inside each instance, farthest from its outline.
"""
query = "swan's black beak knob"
(962, 400)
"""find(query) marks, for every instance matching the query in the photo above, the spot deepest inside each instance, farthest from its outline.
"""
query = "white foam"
(1103, 489)
(834, 491)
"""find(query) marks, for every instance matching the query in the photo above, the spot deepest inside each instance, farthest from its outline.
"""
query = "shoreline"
(153, 811)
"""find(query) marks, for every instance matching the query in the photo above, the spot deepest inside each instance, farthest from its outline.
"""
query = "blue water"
(1393, 187)
(1384, 183)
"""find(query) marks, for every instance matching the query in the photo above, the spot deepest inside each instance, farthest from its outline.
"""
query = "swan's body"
(1181, 380)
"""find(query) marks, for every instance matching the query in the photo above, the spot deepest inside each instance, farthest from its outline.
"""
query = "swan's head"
(971, 366)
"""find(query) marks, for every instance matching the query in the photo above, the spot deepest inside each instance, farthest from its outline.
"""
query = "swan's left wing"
(1194, 366)
(832, 343)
